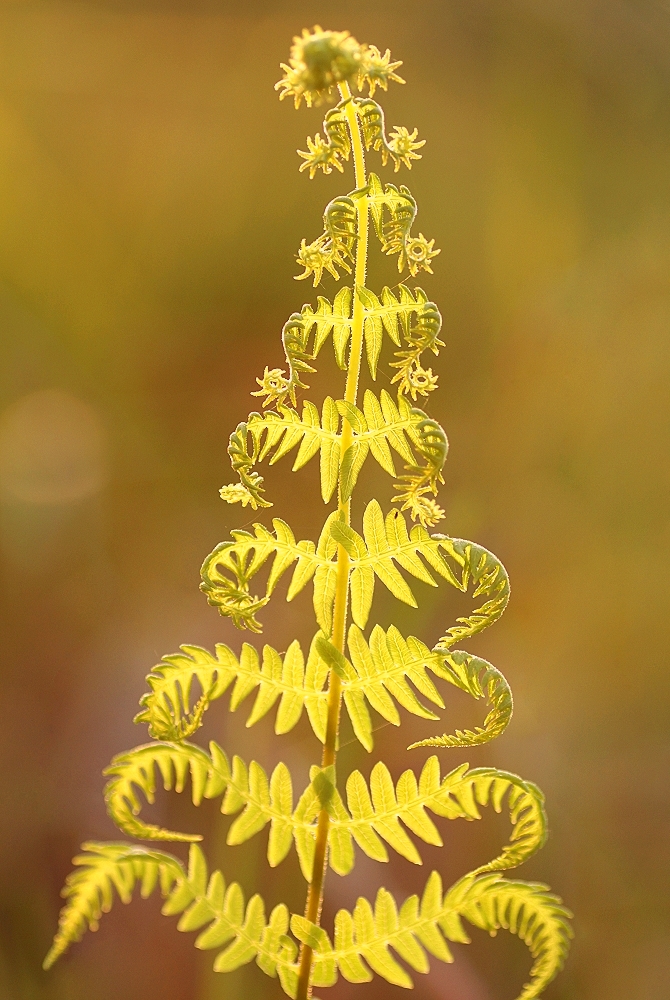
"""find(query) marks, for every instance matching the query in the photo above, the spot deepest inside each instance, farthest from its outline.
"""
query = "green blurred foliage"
(150, 207)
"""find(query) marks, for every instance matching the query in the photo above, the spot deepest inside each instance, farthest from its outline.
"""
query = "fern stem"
(315, 892)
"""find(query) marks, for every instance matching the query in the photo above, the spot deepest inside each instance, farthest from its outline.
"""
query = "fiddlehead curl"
(334, 248)
(377, 70)
(402, 145)
(420, 336)
(394, 231)
(329, 152)
(320, 60)
(254, 440)
(327, 318)
(249, 490)
(227, 571)
(422, 479)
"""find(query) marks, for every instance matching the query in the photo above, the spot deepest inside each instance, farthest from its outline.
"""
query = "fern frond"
(387, 542)
(227, 571)
(379, 424)
(262, 801)
(203, 900)
(279, 433)
(134, 771)
(526, 909)
(259, 800)
(298, 330)
(480, 679)
(408, 312)
(378, 674)
(371, 816)
(402, 145)
(167, 710)
(89, 889)
(363, 938)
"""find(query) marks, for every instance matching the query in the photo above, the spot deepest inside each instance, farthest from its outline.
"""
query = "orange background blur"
(150, 209)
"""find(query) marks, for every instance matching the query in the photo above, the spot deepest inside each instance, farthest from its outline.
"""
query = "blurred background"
(150, 210)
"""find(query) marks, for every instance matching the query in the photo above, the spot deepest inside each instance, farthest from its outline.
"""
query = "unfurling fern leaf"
(370, 817)
(401, 147)
(386, 542)
(380, 672)
(282, 432)
(89, 889)
(227, 571)
(287, 680)
(376, 675)
(363, 939)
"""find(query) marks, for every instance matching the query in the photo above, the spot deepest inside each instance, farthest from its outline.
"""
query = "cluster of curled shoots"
(320, 62)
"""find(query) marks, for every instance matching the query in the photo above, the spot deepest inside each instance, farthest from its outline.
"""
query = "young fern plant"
(343, 666)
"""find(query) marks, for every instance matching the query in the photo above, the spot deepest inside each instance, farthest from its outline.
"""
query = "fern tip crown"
(320, 60)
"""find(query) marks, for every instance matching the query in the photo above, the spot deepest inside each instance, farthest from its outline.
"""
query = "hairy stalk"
(315, 891)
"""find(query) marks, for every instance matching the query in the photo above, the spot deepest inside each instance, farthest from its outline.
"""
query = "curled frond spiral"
(377, 70)
(227, 571)
(327, 318)
(320, 60)
(422, 335)
(334, 247)
(422, 479)
(329, 152)
(393, 212)
(400, 147)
